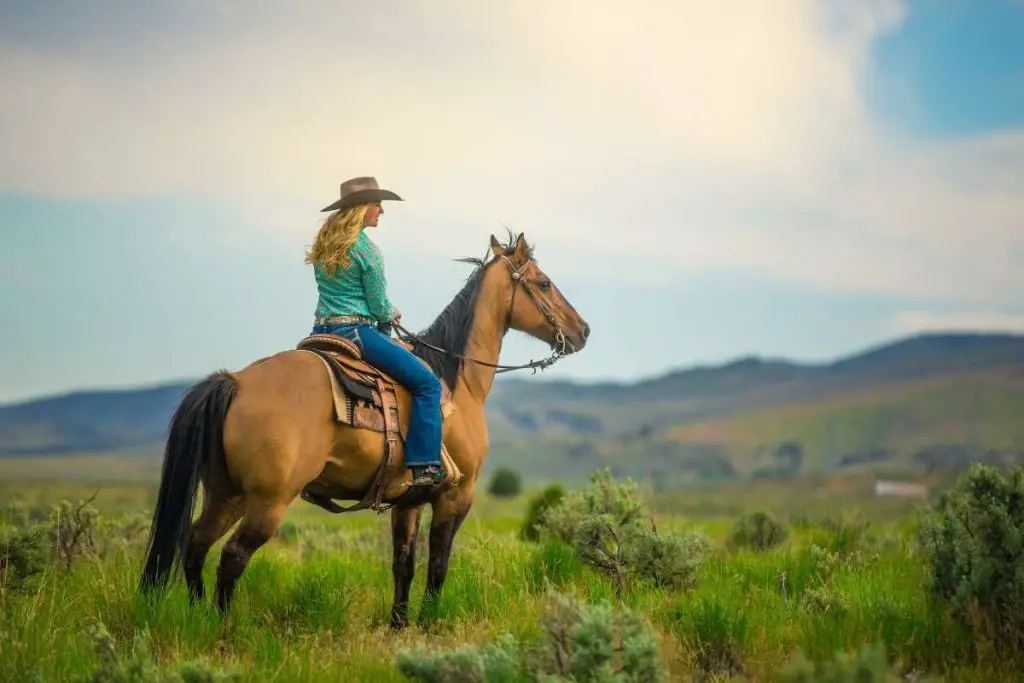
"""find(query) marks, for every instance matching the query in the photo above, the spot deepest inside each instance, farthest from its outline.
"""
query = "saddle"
(366, 397)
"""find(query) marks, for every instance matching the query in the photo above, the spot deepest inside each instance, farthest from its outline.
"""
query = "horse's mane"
(450, 330)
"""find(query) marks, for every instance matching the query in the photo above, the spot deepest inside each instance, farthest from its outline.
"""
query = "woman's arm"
(375, 284)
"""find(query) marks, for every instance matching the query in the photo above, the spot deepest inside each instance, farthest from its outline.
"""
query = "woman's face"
(373, 211)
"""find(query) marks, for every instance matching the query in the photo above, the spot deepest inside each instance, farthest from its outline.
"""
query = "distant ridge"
(1012, 344)
(707, 416)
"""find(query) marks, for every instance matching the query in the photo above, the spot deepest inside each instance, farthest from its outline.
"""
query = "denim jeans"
(423, 444)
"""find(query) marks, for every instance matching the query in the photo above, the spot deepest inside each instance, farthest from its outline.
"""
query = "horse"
(262, 436)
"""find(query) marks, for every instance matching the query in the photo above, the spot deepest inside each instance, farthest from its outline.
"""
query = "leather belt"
(346, 320)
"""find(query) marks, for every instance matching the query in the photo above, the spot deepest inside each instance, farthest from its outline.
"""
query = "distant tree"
(505, 483)
(539, 504)
(758, 531)
(790, 456)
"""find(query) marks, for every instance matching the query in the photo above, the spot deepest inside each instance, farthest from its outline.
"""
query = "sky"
(703, 180)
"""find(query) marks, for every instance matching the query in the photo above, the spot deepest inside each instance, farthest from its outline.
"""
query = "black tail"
(195, 437)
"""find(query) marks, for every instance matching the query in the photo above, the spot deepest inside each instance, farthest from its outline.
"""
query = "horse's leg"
(447, 517)
(217, 518)
(405, 527)
(260, 522)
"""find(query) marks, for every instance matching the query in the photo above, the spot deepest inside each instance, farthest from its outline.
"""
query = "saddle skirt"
(366, 397)
(357, 386)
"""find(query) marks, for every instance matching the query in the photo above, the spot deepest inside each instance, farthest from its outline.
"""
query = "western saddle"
(366, 398)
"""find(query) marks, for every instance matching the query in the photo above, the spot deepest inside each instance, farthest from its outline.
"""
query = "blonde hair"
(337, 235)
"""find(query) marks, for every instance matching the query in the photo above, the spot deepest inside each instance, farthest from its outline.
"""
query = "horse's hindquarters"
(280, 428)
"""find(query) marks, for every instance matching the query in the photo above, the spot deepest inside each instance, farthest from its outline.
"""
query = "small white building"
(901, 489)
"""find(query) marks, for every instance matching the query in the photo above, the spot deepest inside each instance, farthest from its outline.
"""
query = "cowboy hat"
(362, 190)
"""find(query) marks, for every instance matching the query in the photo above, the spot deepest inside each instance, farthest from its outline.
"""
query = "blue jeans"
(423, 444)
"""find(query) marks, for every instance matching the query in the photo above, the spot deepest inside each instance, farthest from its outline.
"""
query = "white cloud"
(911, 322)
(660, 135)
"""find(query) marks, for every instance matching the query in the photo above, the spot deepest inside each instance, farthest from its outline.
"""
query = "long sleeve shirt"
(361, 289)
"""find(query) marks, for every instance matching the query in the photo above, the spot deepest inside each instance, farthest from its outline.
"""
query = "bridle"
(558, 347)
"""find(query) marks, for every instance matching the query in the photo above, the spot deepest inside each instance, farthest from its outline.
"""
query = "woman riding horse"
(258, 437)
(353, 300)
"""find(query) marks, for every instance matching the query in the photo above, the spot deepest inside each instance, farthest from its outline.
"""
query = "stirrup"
(320, 501)
(426, 477)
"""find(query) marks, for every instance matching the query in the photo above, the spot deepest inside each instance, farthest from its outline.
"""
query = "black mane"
(450, 330)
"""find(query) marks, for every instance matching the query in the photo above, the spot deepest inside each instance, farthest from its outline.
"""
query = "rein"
(560, 344)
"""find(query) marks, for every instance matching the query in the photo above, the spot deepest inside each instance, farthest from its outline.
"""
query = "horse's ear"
(521, 245)
(496, 247)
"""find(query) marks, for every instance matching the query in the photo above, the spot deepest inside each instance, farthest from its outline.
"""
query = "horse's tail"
(194, 440)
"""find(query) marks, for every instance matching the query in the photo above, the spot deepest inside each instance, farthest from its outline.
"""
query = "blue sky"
(795, 183)
(961, 68)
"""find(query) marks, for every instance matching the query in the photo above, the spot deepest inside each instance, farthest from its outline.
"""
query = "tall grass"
(314, 605)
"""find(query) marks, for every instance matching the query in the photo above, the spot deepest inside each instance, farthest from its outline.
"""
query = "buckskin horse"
(317, 422)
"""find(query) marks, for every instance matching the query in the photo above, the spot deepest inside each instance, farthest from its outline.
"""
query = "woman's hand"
(397, 317)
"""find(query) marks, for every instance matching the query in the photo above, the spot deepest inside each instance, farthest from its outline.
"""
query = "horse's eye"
(545, 284)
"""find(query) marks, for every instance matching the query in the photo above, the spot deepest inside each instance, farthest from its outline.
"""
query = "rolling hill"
(918, 403)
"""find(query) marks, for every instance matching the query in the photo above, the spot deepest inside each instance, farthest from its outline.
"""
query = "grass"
(98, 468)
(314, 604)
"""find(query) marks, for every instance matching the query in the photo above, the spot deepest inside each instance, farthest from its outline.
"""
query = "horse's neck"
(483, 343)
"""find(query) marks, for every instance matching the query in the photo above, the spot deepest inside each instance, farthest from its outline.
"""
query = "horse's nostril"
(586, 330)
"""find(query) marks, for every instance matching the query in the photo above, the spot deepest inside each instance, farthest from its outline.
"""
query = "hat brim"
(362, 197)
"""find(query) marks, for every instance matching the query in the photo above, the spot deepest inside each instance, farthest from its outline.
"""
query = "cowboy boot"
(426, 475)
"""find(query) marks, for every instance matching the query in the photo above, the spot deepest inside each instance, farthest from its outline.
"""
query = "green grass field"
(314, 604)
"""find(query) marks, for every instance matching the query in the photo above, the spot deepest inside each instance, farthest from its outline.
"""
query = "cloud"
(910, 322)
(634, 138)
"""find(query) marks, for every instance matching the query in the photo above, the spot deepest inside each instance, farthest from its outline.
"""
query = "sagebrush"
(578, 643)
(613, 531)
(974, 541)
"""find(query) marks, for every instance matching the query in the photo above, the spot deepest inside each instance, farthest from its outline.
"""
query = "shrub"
(498, 662)
(595, 643)
(16, 511)
(24, 552)
(824, 562)
(823, 599)
(122, 533)
(604, 545)
(539, 505)
(612, 531)
(139, 665)
(71, 530)
(505, 483)
(870, 665)
(974, 542)
(758, 531)
(617, 501)
(669, 560)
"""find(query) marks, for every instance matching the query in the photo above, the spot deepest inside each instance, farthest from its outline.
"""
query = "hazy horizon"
(546, 376)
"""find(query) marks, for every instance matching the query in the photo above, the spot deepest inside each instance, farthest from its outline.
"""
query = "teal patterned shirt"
(359, 290)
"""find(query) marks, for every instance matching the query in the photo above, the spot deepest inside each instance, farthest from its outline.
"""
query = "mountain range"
(934, 400)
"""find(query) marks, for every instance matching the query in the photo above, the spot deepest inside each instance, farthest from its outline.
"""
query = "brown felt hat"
(362, 190)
